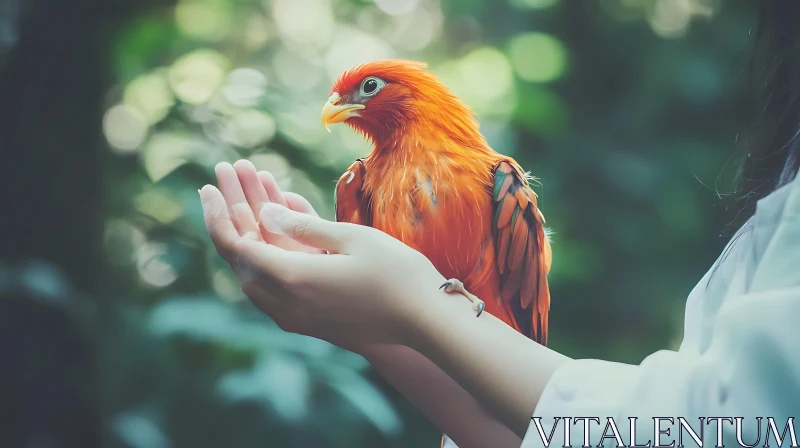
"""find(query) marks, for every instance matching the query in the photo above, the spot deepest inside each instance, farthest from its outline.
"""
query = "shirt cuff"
(593, 389)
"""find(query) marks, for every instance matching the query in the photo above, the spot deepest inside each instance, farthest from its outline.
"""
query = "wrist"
(431, 324)
(419, 308)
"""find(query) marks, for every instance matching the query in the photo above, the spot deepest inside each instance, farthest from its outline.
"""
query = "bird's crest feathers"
(390, 70)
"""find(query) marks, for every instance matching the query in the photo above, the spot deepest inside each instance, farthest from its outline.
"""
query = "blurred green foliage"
(627, 111)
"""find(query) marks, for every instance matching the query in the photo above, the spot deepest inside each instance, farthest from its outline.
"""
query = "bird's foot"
(455, 285)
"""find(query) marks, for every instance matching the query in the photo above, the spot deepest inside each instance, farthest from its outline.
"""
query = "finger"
(241, 214)
(273, 191)
(218, 222)
(271, 264)
(299, 204)
(275, 195)
(254, 191)
(306, 229)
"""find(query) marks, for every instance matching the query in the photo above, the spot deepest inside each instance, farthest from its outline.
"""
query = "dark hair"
(773, 146)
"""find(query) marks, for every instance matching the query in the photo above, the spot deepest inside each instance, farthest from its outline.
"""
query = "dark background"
(119, 325)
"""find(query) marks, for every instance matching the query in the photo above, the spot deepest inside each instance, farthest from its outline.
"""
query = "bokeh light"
(484, 79)
(151, 95)
(417, 30)
(667, 18)
(537, 57)
(670, 18)
(257, 32)
(487, 73)
(125, 128)
(341, 57)
(159, 205)
(196, 76)
(200, 19)
(304, 23)
(164, 152)
(153, 270)
(245, 86)
(276, 165)
(295, 71)
(249, 128)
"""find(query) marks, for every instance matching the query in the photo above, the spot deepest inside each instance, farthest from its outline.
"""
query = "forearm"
(454, 411)
(505, 371)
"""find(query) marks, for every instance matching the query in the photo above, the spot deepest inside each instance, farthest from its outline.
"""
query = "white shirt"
(740, 356)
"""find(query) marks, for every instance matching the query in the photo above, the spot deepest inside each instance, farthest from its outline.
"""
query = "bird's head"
(381, 98)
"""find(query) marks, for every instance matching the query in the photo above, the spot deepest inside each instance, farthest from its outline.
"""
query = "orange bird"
(433, 182)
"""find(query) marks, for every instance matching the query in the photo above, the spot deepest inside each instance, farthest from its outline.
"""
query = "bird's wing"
(522, 249)
(352, 204)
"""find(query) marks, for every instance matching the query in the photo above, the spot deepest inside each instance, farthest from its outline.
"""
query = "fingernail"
(244, 163)
(222, 166)
(270, 215)
(203, 201)
(204, 192)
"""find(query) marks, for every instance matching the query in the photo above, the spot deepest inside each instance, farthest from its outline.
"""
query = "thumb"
(299, 204)
(306, 229)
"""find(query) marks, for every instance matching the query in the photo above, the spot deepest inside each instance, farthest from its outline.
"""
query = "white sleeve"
(750, 369)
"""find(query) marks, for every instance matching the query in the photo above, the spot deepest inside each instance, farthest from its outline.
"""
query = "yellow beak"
(333, 112)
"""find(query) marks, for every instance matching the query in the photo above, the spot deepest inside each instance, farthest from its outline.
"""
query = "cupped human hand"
(244, 187)
(335, 281)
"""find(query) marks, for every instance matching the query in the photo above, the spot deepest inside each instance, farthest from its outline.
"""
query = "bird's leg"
(455, 285)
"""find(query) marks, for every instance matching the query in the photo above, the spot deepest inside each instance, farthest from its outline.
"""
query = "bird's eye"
(370, 86)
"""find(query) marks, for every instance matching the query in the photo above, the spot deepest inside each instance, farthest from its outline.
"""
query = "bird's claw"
(455, 285)
(479, 306)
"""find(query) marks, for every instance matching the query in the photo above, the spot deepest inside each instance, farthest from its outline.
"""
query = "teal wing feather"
(522, 251)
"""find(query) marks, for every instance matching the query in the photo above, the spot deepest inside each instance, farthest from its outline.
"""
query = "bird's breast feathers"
(444, 214)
